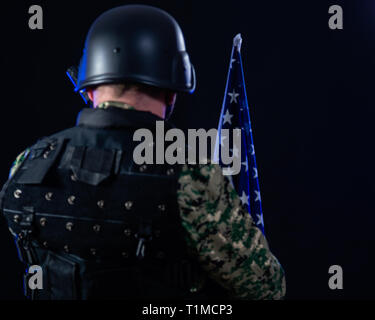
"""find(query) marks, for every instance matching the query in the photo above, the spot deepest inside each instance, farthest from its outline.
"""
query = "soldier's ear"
(90, 94)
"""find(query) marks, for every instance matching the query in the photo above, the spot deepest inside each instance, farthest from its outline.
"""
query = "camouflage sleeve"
(230, 247)
(16, 164)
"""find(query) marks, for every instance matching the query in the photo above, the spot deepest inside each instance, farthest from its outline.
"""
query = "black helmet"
(136, 43)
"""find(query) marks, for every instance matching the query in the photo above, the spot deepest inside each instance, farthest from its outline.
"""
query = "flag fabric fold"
(235, 115)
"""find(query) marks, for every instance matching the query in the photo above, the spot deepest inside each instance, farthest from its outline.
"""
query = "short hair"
(118, 89)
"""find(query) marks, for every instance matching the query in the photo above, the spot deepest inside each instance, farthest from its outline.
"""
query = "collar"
(106, 104)
(110, 115)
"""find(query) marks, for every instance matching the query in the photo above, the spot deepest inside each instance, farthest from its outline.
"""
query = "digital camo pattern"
(231, 248)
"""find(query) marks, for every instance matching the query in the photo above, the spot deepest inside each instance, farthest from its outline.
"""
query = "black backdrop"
(310, 90)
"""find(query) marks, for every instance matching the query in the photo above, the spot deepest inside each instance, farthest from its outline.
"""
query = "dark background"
(310, 90)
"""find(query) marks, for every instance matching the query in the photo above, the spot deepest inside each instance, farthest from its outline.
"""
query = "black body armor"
(99, 225)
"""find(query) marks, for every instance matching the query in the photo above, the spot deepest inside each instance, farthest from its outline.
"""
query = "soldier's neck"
(139, 102)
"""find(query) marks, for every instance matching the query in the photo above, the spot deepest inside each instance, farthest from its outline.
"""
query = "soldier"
(101, 226)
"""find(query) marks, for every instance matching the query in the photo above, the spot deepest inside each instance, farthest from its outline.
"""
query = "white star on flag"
(255, 173)
(252, 149)
(245, 164)
(244, 198)
(227, 117)
(233, 96)
(257, 193)
(260, 219)
(239, 144)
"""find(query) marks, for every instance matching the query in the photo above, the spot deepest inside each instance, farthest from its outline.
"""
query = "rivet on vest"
(45, 154)
(73, 177)
(161, 207)
(124, 254)
(16, 218)
(93, 251)
(170, 171)
(142, 168)
(48, 196)
(71, 200)
(128, 205)
(66, 248)
(127, 232)
(43, 222)
(96, 228)
(45, 244)
(17, 193)
(100, 204)
(193, 289)
(69, 226)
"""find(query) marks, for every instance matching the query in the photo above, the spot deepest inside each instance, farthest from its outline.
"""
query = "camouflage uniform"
(230, 247)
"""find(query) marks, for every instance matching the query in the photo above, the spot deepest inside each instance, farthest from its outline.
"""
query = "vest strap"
(39, 161)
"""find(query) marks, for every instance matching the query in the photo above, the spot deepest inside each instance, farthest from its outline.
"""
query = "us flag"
(235, 115)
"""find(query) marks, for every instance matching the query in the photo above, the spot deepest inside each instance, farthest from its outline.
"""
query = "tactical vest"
(98, 224)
